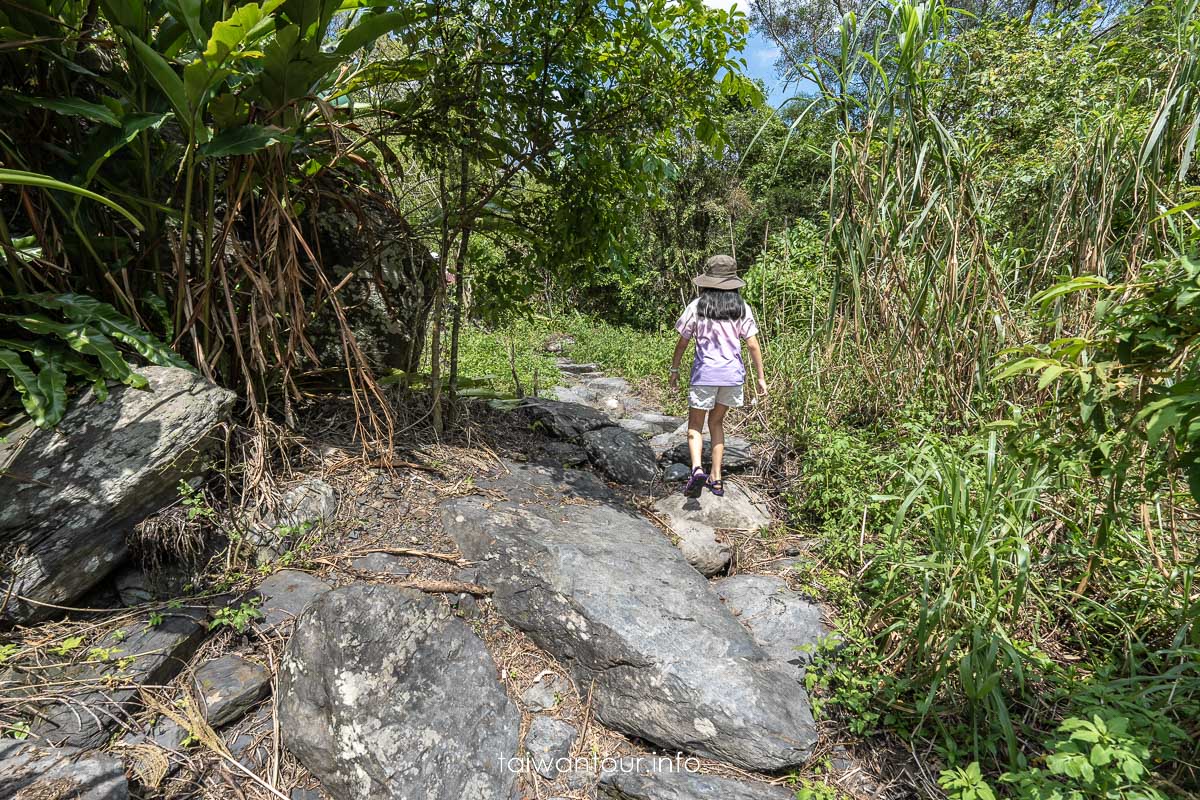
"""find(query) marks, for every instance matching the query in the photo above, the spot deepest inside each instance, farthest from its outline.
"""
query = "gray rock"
(69, 495)
(738, 455)
(677, 472)
(609, 385)
(655, 779)
(308, 505)
(562, 454)
(384, 694)
(251, 744)
(705, 549)
(155, 653)
(578, 395)
(467, 605)
(737, 510)
(602, 590)
(662, 422)
(663, 442)
(285, 594)
(639, 427)
(548, 743)
(576, 369)
(132, 586)
(621, 455)
(229, 686)
(783, 623)
(545, 693)
(305, 794)
(383, 564)
(562, 420)
(31, 772)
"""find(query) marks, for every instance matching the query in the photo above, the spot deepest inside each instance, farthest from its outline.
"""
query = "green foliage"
(966, 783)
(238, 618)
(1097, 757)
(70, 336)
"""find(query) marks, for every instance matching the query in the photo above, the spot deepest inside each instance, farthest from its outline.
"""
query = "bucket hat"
(720, 272)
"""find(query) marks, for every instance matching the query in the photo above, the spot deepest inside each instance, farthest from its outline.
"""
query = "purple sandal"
(695, 484)
(717, 487)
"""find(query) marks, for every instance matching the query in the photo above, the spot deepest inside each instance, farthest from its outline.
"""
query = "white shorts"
(705, 397)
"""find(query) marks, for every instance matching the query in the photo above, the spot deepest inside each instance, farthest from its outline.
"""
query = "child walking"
(718, 321)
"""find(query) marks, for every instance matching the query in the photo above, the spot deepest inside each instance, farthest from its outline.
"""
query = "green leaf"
(73, 106)
(167, 80)
(37, 405)
(21, 178)
(243, 140)
(371, 27)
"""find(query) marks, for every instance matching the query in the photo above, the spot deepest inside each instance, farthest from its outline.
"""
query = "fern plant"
(48, 340)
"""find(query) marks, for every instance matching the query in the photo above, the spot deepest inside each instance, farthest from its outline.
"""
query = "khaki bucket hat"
(720, 272)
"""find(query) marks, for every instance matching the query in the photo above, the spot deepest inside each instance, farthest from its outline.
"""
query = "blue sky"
(760, 55)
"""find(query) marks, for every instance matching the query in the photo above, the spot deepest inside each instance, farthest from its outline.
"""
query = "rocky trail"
(533, 611)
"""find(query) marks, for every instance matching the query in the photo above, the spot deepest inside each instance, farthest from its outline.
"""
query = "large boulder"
(69, 495)
(600, 588)
(621, 455)
(562, 420)
(738, 455)
(668, 779)
(44, 773)
(384, 694)
(739, 509)
(788, 627)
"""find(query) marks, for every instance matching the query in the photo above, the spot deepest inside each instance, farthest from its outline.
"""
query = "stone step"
(571, 366)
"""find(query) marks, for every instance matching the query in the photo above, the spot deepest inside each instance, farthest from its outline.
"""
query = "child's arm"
(756, 357)
(680, 348)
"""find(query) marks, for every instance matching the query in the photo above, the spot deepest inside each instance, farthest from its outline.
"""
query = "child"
(718, 321)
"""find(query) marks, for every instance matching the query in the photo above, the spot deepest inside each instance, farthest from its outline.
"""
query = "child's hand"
(673, 381)
(762, 388)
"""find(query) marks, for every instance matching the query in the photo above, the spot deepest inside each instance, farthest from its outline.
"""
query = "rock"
(788, 627)
(132, 586)
(310, 504)
(637, 426)
(737, 452)
(662, 422)
(561, 454)
(666, 779)
(229, 686)
(305, 794)
(705, 549)
(384, 694)
(548, 743)
(31, 772)
(737, 510)
(621, 455)
(578, 395)
(663, 442)
(562, 420)
(559, 343)
(676, 472)
(383, 564)
(153, 654)
(545, 693)
(575, 369)
(251, 744)
(286, 594)
(601, 589)
(467, 605)
(609, 385)
(69, 495)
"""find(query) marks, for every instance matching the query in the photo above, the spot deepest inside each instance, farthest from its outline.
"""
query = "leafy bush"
(70, 336)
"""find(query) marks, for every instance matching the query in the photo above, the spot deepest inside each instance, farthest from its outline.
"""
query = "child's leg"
(716, 429)
(695, 435)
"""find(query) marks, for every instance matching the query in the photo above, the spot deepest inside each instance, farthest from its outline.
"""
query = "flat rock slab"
(783, 623)
(228, 686)
(737, 452)
(738, 510)
(28, 771)
(649, 779)
(285, 594)
(382, 564)
(140, 654)
(600, 588)
(562, 420)
(621, 455)
(69, 495)
(383, 694)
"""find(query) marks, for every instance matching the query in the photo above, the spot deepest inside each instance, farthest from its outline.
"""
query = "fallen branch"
(446, 587)
(453, 558)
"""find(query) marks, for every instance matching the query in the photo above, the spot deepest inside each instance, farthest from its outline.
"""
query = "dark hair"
(721, 304)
